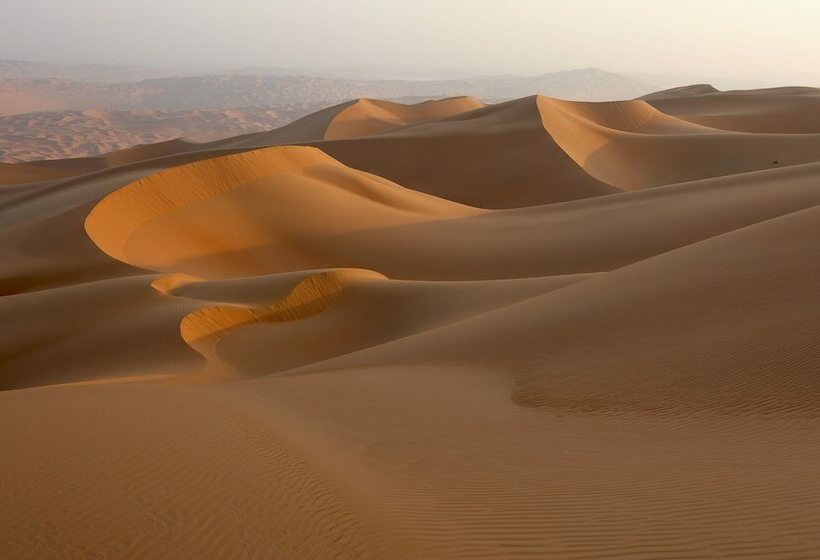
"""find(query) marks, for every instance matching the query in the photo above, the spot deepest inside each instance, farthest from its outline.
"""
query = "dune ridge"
(371, 116)
(202, 329)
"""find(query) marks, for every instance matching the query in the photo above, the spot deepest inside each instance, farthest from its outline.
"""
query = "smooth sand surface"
(537, 329)
(786, 109)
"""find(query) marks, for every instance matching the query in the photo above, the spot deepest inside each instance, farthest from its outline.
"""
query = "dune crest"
(371, 116)
(203, 328)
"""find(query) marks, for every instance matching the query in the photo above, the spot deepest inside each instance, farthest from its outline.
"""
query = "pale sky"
(756, 39)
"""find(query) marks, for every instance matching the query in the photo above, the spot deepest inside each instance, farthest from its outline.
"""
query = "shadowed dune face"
(434, 331)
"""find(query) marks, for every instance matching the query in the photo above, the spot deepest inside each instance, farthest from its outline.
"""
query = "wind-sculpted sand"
(52, 135)
(536, 329)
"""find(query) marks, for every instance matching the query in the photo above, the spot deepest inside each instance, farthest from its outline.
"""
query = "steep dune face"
(631, 145)
(241, 349)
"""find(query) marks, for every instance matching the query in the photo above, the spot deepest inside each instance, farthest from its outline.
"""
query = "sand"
(535, 329)
(62, 134)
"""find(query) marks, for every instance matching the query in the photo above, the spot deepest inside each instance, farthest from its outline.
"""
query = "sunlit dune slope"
(251, 212)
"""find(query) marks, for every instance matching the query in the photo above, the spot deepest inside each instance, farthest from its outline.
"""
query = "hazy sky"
(764, 39)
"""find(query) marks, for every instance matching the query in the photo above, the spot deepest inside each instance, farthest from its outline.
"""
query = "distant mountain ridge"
(223, 91)
(104, 73)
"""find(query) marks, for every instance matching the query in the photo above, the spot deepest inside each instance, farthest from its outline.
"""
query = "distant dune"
(74, 134)
(535, 328)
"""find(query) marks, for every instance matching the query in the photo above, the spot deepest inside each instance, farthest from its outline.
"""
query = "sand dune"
(366, 116)
(441, 330)
(154, 225)
(778, 110)
(458, 158)
(631, 145)
(322, 303)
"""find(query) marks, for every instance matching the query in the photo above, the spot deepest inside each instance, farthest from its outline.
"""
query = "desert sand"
(52, 135)
(533, 329)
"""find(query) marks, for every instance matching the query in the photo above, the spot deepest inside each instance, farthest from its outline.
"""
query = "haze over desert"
(286, 309)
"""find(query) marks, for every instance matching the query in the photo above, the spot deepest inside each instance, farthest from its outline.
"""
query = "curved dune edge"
(115, 217)
(301, 187)
(583, 129)
(203, 328)
(373, 116)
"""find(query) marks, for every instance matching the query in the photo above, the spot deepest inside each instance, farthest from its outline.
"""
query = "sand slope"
(428, 331)
(631, 145)
(792, 110)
